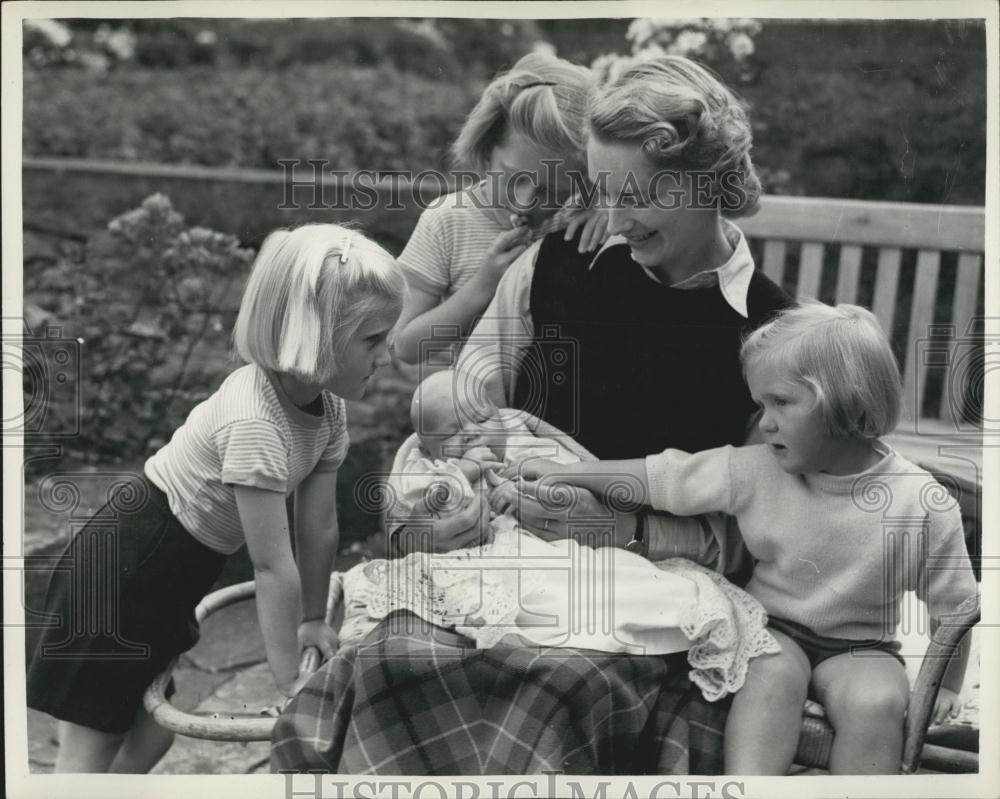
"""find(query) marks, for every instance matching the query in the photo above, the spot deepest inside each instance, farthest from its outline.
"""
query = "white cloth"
(560, 593)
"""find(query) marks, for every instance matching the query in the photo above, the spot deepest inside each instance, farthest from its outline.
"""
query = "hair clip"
(347, 247)
(535, 83)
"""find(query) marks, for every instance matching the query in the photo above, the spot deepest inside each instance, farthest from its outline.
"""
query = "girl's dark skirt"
(121, 603)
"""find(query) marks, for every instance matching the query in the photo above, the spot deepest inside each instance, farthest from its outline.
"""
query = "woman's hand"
(554, 510)
(503, 497)
(469, 526)
(595, 228)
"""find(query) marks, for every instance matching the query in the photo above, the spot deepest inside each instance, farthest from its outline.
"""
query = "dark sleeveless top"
(628, 366)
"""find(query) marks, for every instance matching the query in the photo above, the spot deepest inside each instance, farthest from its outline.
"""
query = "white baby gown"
(521, 590)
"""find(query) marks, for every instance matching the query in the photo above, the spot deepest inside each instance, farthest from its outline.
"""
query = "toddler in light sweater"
(839, 525)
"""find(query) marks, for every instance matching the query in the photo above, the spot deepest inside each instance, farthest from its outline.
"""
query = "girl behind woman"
(524, 137)
(312, 328)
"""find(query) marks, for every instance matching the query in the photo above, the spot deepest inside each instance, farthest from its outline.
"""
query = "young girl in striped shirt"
(312, 329)
(525, 138)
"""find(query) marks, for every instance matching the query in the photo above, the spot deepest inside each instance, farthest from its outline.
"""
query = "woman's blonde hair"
(840, 352)
(683, 118)
(543, 98)
(309, 291)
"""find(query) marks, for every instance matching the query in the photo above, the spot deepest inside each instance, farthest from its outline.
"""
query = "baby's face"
(446, 433)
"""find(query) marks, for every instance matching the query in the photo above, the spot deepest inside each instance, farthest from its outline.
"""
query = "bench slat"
(963, 309)
(879, 224)
(848, 273)
(774, 260)
(921, 318)
(810, 271)
(886, 284)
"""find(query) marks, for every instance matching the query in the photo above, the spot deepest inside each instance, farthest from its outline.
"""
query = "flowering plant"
(723, 44)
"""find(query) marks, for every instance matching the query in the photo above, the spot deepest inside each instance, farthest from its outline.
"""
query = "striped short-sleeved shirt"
(451, 239)
(247, 433)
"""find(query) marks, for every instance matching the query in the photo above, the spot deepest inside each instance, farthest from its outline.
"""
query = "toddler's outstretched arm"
(598, 477)
(675, 481)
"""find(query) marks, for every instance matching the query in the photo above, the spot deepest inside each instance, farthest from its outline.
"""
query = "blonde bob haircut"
(683, 118)
(843, 355)
(303, 301)
(543, 98)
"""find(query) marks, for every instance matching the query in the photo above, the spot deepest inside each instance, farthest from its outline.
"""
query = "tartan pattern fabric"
(420, 700)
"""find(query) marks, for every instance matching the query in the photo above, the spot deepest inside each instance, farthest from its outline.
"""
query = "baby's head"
(841, 355)
(449, 425)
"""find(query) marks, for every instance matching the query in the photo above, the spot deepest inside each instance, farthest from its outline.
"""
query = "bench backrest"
(918, 267)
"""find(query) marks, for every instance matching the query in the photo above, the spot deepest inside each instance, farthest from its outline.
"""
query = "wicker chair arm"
(925, 689)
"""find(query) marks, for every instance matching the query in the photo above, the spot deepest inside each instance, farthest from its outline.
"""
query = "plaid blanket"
(416, 699)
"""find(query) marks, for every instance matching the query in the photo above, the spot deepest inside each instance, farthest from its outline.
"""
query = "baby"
(464, 443)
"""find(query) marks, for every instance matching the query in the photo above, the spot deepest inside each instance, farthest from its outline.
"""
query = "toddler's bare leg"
(83, 750)
(762, 731)
(865, 696)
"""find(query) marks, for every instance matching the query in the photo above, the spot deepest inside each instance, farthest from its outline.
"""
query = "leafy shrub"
(892, 110)
(879, 111)
(358, 118)
(428, 47)
(151, 302)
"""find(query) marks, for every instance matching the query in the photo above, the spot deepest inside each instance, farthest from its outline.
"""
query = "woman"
(652, 325)
(629, 352)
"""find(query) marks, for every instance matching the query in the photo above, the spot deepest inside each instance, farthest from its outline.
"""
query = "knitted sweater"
(834, 553)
